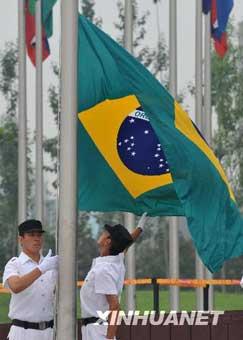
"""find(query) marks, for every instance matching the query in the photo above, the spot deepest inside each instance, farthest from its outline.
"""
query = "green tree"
(152, 249)
(8, 189)
(9, 154)
(155, 59)
(89, 11)
(8, 77)
(86, 245)
(227, 83)
(227, 101)
(187, 258)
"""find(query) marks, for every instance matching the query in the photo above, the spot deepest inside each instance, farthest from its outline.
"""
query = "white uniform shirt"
(35, 303)
(106, 277)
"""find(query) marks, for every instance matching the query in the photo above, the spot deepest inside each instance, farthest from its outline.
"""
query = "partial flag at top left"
(46, 9)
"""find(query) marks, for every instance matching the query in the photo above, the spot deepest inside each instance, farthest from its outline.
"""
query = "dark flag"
(220, 11)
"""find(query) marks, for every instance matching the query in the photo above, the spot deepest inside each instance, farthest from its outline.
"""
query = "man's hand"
(19, 283)
(142, 221)
(138, 231)
(49, 263)
(49, 254)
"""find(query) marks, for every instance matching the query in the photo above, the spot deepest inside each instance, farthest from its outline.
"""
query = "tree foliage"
(227, 101)
(89, 12)
(9, 154)
(87, 248)
(8, 189)
(155, 59)
(8, 77)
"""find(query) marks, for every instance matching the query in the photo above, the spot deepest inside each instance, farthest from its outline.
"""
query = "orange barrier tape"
(132, 282)
(4, 290)
(190, 283)
(215, 282)
(182, 282)
(197, 283)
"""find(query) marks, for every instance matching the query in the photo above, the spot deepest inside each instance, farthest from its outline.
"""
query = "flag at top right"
(220, 11)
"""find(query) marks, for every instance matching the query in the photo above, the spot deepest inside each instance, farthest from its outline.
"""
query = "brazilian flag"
(139, 151)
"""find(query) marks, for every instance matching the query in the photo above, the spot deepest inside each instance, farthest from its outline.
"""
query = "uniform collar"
(25, 258)
(109, 259)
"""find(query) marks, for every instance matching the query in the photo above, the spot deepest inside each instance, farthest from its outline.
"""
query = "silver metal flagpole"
(173, 221)
(129, 218)
(66, 317)
(128, 26)
(22, 121)
(199, 265)
(157, 3)
(39, 114)
(208, 117)
(240, 37)
(207, 85)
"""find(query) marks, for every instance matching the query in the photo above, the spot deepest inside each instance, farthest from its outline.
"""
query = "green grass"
(145, 300)
(4, 302)
(227, 301)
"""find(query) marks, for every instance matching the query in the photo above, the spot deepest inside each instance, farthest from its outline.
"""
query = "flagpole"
(130, 218)
(207, 70)
(22, 121)
(66, 312)
(158, 20)
(208, 117)
(39, 113)
(241, 41)
(173, 221)
(198, 106)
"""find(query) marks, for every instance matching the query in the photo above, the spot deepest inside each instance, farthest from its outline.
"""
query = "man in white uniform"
(31, 279)
(104, 282)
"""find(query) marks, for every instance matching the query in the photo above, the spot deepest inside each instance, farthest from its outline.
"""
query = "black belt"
(87, 321)
(33, 325)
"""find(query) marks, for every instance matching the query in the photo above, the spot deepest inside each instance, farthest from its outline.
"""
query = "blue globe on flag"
(138, 146)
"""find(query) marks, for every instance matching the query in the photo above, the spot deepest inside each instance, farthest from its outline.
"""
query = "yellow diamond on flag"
(102, 122)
